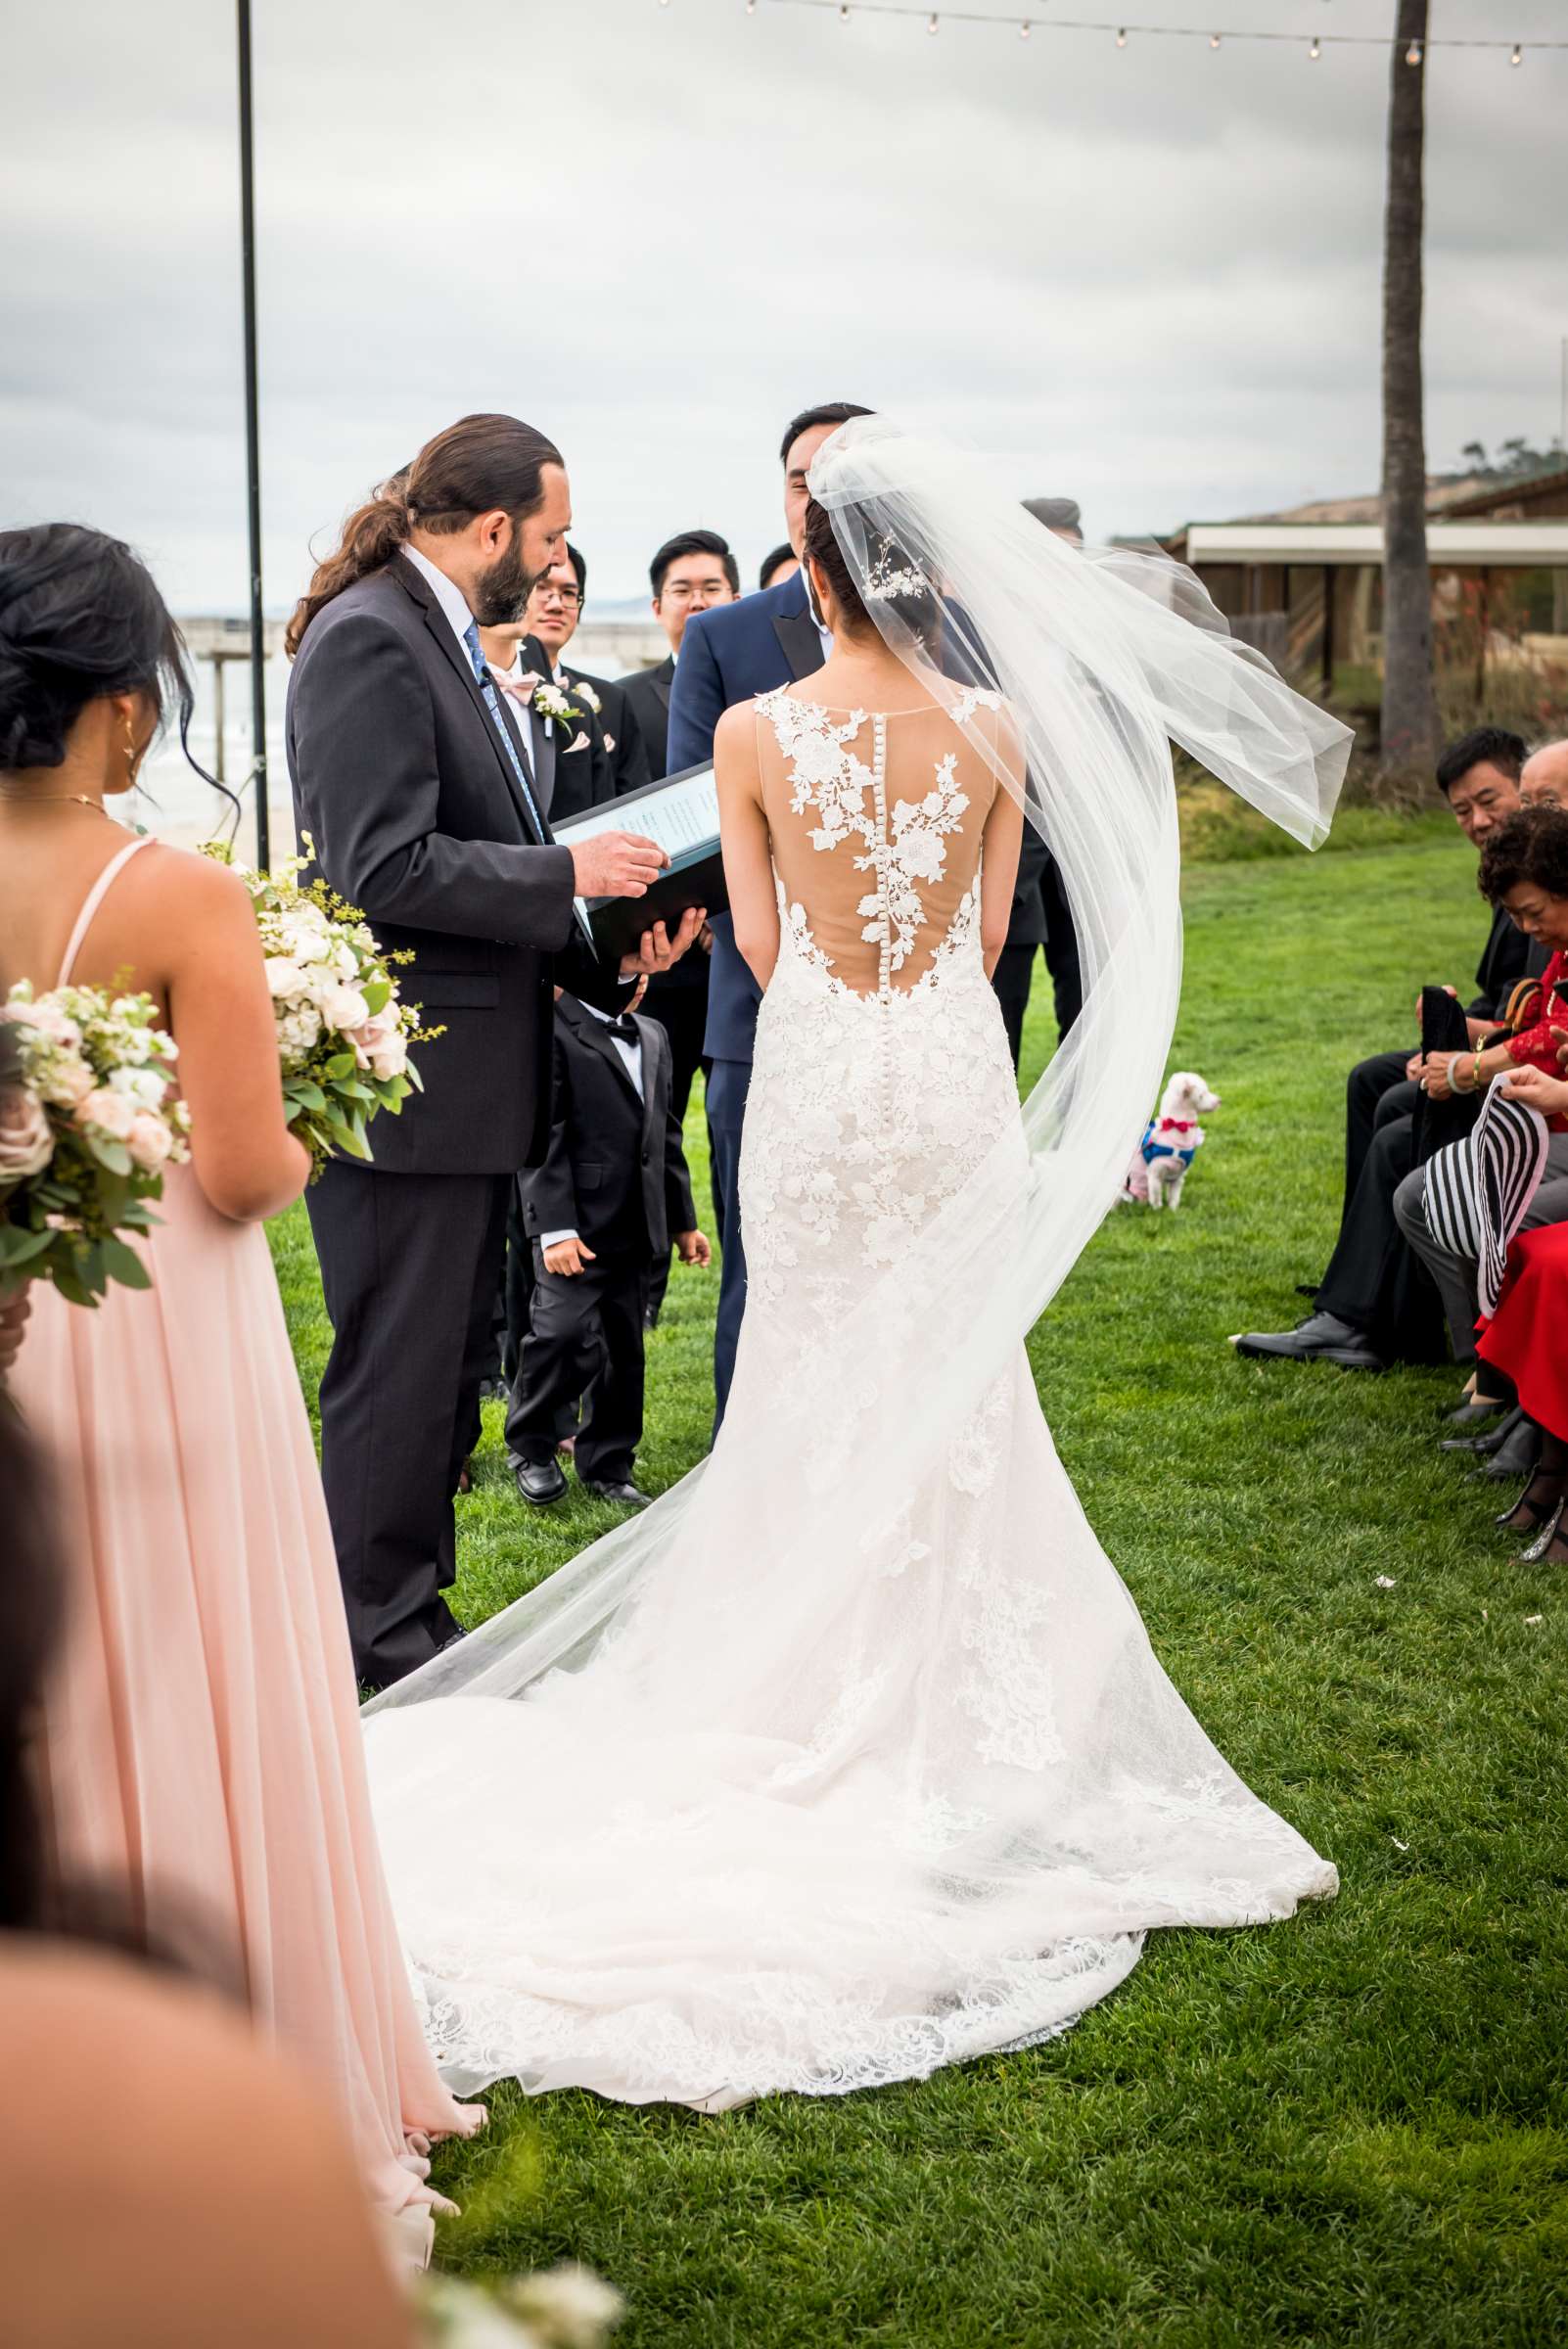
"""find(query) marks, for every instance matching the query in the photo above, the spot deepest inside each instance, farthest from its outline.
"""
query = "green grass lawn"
(1350, 2128)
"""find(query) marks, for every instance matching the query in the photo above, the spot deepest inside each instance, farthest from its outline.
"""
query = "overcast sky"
(1146, 277)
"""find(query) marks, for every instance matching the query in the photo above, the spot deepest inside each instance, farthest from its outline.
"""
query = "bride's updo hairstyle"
(915, 605)
(81, 617)
(479, 465)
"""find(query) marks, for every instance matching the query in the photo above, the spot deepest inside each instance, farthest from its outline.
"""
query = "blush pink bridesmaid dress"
(202, 1737)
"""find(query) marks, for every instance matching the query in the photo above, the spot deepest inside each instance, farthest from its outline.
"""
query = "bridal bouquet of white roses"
(87, 1124)
(343, 1031)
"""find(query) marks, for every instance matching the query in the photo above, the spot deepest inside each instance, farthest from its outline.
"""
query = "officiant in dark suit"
(423, 797)
(731, 656)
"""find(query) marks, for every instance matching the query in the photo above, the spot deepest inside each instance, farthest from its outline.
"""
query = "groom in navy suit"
(726, 656)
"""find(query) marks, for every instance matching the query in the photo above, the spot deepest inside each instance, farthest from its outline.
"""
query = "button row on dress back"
(879, 780)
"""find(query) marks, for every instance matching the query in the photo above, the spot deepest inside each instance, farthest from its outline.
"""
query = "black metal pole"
(253, 449)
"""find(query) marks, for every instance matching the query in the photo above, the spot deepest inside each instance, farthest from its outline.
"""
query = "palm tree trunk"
(1411, 729)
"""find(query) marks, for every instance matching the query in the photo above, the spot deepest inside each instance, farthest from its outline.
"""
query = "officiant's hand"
(659, 950)
(617, 864)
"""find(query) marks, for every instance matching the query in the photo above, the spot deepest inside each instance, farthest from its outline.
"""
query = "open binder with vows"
(680, 813)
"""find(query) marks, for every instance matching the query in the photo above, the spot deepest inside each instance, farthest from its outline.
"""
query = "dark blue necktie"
(493, 703)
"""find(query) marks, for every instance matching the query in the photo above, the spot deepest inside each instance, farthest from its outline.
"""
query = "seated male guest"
(604, 1204)
(1544, 782)
(424, 796)
(1480, 777)
(1350, 1323)
(781, 564)
(691, 573)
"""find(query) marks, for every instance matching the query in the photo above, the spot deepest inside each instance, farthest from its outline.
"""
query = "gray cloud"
(1149, 278)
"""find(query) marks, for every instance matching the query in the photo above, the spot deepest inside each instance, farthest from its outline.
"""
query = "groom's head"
(801, 441)
(488, 503)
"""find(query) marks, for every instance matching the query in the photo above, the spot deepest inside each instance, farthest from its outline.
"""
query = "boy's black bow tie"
(624, 1026)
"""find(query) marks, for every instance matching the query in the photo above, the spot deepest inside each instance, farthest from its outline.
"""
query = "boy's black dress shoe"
(628, 1495)
(539, 1481)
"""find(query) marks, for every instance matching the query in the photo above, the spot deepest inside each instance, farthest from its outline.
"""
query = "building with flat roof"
(1306, 585)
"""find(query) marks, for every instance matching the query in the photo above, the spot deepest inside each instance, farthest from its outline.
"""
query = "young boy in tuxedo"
(610, 1199)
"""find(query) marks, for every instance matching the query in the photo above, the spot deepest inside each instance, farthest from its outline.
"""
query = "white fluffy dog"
(1170, 1140)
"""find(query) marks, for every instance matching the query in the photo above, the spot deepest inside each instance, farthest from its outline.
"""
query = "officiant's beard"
(501, 593)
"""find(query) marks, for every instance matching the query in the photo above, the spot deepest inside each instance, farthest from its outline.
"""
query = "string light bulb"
(1025, 30)
(1412, 54)
(1120, 36)
(933, 22)
(1517, 59)
(1214, 40)
(844, 13)
(1315, 50)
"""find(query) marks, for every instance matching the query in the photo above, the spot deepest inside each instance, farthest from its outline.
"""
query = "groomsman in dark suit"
(728, 655)
(424, 798)
(693, 571)
(609, 1199)
(622, 736)
(525, 670)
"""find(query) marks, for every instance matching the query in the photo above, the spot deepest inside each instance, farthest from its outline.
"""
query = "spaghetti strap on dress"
(201, 1738)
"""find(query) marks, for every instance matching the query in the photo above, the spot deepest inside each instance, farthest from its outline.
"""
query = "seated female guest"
(1524, 1339)
(1524, 869)
(200, 1735)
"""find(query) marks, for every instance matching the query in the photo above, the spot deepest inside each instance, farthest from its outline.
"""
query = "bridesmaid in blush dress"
(200, 1739)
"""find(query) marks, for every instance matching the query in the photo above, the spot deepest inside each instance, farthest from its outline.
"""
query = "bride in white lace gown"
(852, 1758)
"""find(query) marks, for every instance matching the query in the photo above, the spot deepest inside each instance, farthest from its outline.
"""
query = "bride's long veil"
(1103, 658)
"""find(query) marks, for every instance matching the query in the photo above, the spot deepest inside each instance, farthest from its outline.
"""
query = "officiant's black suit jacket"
(404, 786)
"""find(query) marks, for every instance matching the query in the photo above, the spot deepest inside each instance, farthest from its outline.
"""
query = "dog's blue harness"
(1149, 1149)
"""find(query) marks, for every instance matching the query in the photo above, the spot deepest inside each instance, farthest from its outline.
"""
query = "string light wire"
(1516, 51)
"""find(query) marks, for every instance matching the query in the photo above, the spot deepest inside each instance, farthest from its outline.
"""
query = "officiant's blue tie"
(493, 703)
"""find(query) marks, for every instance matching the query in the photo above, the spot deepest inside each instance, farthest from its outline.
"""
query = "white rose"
(390, 1057)
(111, 1112)
(149, 1142)
(66, 1085)
(343, 1007)
(569, 2305)
(285, 979)
(27, 1144)
(145, 1086)
(46, 1019)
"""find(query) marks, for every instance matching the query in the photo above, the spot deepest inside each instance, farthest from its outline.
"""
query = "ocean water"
(177, 805)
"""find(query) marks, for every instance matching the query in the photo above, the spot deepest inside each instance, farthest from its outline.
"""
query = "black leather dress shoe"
(1321, 1338)
(1494, 1439)
(1517, 1456)
(539, 1481)
(630, 1495)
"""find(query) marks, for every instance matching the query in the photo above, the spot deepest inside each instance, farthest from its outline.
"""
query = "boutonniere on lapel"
(531, 691)
(581, 685)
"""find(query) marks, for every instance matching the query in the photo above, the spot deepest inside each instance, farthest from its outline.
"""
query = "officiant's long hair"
(476, 465)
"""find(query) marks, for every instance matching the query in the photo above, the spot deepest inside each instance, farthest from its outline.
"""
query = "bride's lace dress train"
(839, 1797)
